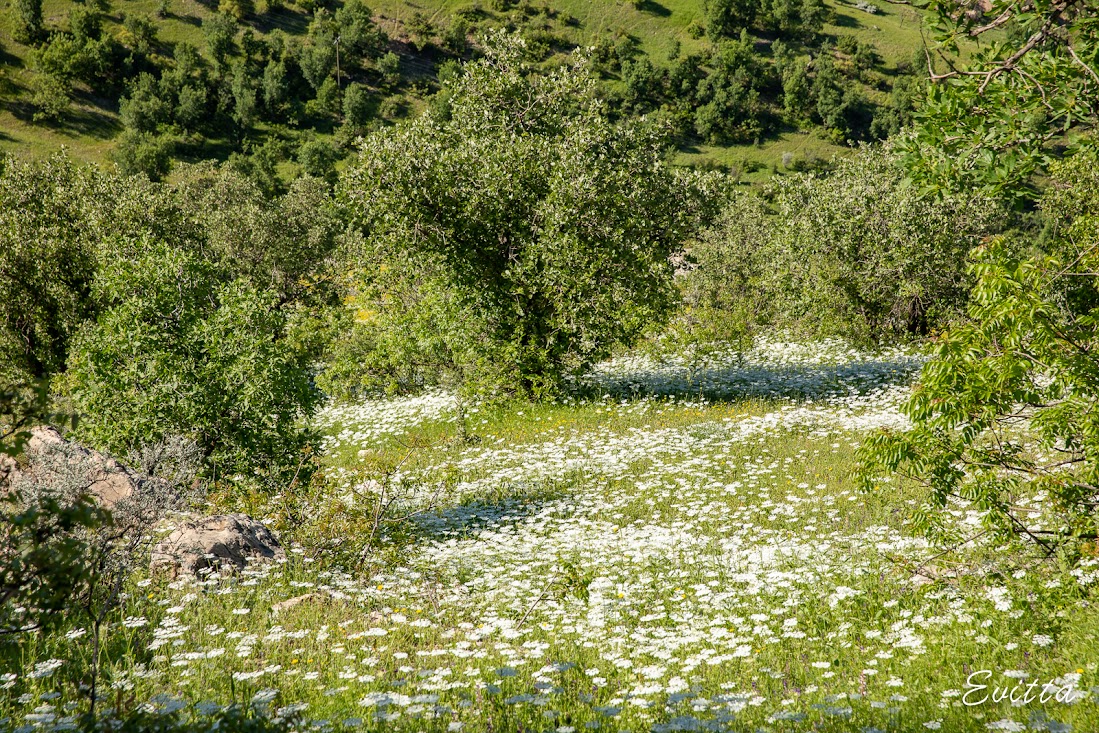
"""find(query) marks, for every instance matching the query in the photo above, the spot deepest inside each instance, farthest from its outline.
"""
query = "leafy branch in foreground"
(997, 118)
(1006, 414)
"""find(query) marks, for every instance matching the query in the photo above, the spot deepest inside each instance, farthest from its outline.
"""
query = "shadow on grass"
(191, 20)
(287, 20)
(87, 121)
(507, 505)
(734, 380)
(843, 20)
(655, 8)
(10, 60)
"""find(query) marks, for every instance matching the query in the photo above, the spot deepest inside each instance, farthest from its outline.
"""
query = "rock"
(222, 541)
(291, 602)
(110, 482)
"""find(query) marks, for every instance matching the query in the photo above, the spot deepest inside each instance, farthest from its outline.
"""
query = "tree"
(143, 153)
(140, 34)
(857, 253)
(276, 87)
(144, 108)
(389, 66)
(421, 29)
(27, 21)
(237, 9)
(729, 108)
(995, 117)
(191, 110)
(1005, 414)
(359, 35)
(244, 99)
(85, 23)
(358, 106)
(318, 159)
(727, 18)
(281, 245)
(51, 97)
(178, 349)
(519, 240)
(46, 264)
(318, 59)
(221, 32)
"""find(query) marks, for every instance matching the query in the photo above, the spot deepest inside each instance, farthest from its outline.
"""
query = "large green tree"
(519, 239)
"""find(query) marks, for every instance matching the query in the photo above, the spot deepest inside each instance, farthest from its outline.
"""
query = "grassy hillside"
(416, 31)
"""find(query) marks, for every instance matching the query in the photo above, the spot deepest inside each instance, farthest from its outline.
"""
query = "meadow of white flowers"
(680, 549)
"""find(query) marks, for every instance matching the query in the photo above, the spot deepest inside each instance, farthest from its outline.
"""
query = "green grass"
(768, 157)
(706, 561)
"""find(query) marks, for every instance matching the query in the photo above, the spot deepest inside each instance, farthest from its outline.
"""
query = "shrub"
(27, 21)
(723, 294)
(359, 35)
(42, 550)
(358, 106)
(389, 66)
(51, 97)
(238, 9)
(281, 245)
(517, 241)
(318, 159)
(144, 108)
(856, 252)
(178, 350)
(143, 153)
(221, 32)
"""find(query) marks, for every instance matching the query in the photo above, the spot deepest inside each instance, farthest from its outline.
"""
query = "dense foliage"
(168, 310)
(515, 241)
(1005, 416)
(177, 350)
(856, 252)
(1003, 115)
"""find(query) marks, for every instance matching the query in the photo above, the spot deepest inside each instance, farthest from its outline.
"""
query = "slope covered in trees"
(283, 88)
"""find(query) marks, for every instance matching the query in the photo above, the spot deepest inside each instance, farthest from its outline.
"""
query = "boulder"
(219, 542)
(110, 482)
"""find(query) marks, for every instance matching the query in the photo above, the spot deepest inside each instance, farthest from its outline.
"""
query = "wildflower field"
(680, 546)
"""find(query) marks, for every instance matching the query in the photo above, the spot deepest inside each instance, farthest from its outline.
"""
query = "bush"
(238, 9)
(281, 245)
(358, 106)
(51, 97)
(178, 350)
(359, 35)
(856, 252)
(514, 243)
(44, 545)
(145, 107)
(143, 153)
(27, 21)
(389, 66)
(46, 264)
(318, 159)
(220, 31)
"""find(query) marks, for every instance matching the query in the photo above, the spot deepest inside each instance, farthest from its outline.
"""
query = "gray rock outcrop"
(219, 542)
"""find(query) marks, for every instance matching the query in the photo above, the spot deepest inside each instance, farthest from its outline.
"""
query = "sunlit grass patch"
(611, 563)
